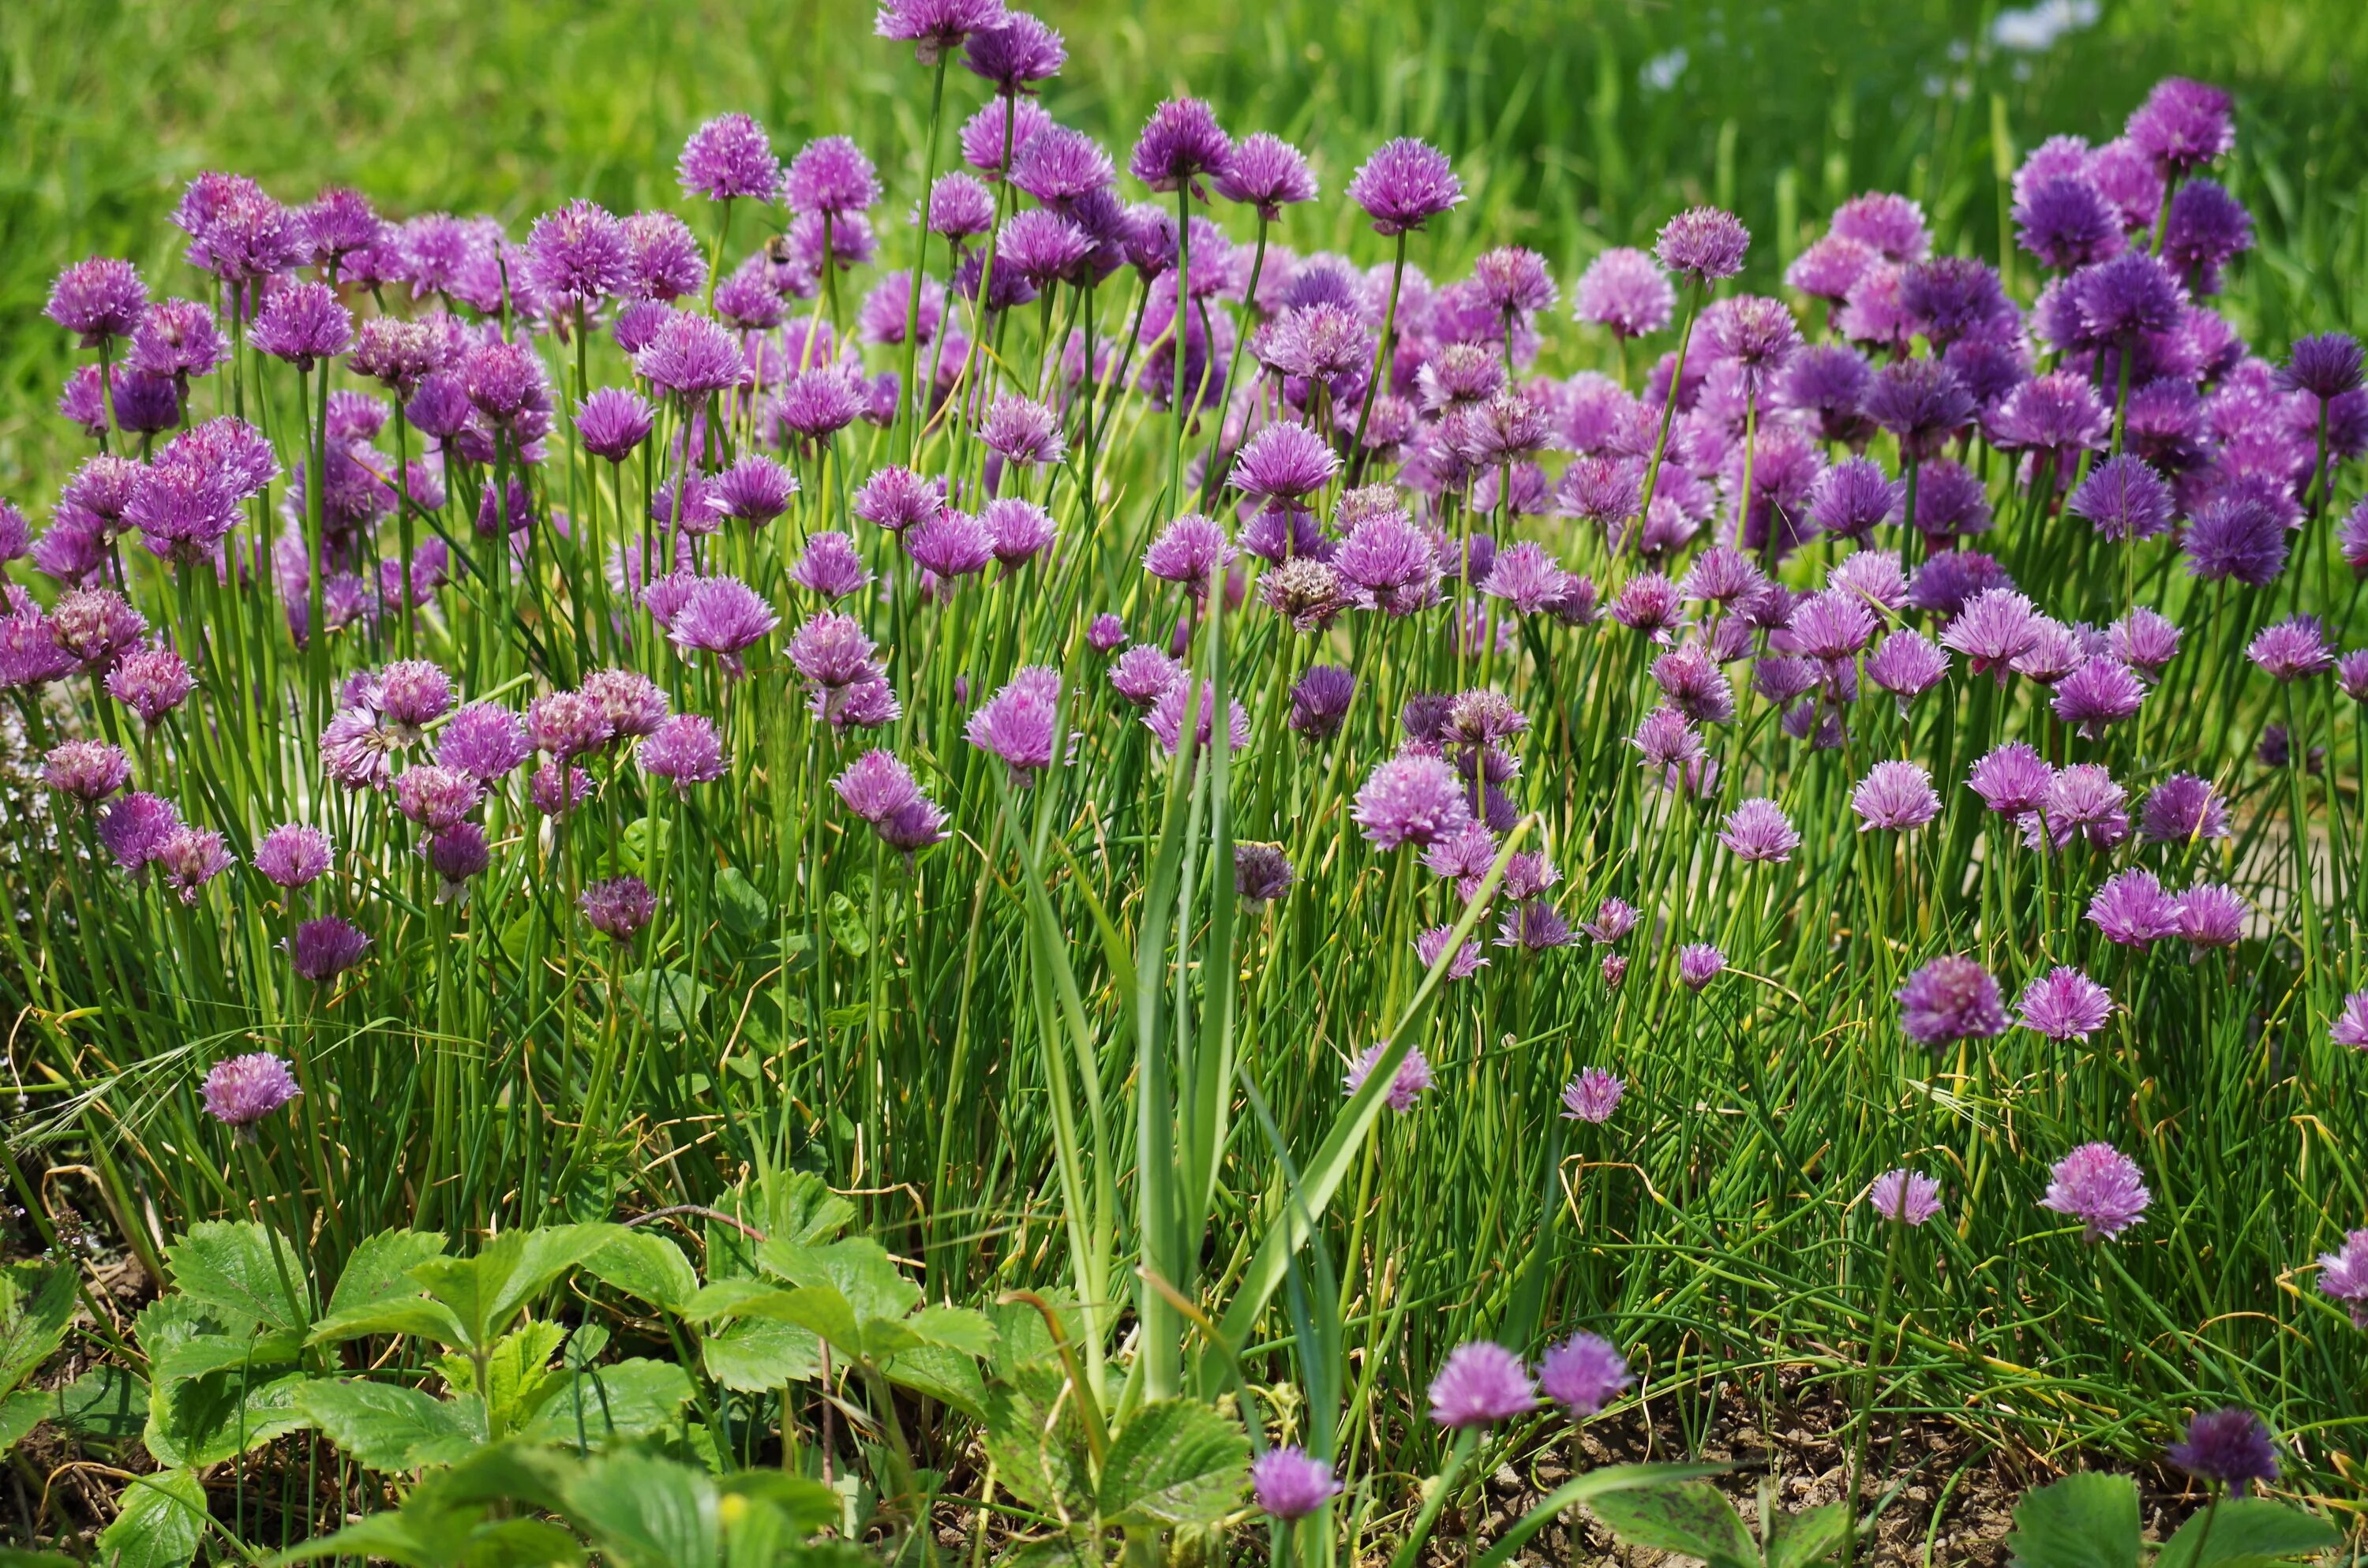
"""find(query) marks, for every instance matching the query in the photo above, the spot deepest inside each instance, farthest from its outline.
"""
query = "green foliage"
(2090, 1520)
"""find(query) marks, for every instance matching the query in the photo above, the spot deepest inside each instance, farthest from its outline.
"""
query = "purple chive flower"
(2100, 692)
(414, 692)
(959, 207)
(456, 854)
(485, 740)
(831, 650)
(2132, 909)
(1526, 576)
(1534, 924)
(2064, 1004)
(730, 156)
(1018, 722)
(662, 257)
(1190, 550)
(1285, 462)
(176, 340)
(556, 789)
(2326, 366)
(1949, 999)
(2124, 498)
(1758, 831)
(1850, 498)
(325, 948)
(685, 749)
(1827, 267)
(1268, 172)
(1289, 1483)
(2212, 916)
(936, 28)
(577, 256)
(1144, 674)
(1584, 1373)
(99, 300)
(2352, 675)
(950, 544)
(1479, 1384)
(1592, 1097)
(721, 615)
(1615, 969)
(755, 489)
(876, 786)
(1613, 920)
(2237, 536)
(1165, 719)
(619, 908)
(2183, 809)
(1412, 799)
(1625, 291)
(2207, 228)
(2343, 1275)
(633, 705)
(1261, 872)
(1320, 701)
(2232, 1446)
(1905, 1197)
(134, 828)
(1015, 53)
(2065, 221)
(2292, 649)
(1894, 795)
(2013, 779)
(88, 770)
(2082, 802)
(1106, 633)
(567, 724)
(190, 857)
(830, 175)
(1699, 963)
(830, 566)
(1995, 628)
(293, 855)
(2183, 125)
(1404, 185)
(2350, 1025)
(1022, 430)
(1921, 401)
(1413, 1076)
(1892, 226)
(1467, 962)
(691, 356)
(436, 797)
(1907, 666)
(1648, 603)
(2102, 1187)
(898, 498)
(151, 683)
(240, 1091)
(1181, 142)
(1702, 242)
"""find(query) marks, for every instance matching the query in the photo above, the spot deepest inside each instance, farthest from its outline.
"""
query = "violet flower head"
(2237, 536)
(935, 28)
(721, 615)
(456, 854)
(2212, 916)
(1699, 963)
(1592, 1097)
(1144, 674)
(2183, 809)
(1320, 701)
(2343, 1273)
(1106, 633)
(1404, 185)
(691, 356)
(240, 1091)
(663, 258)
(1894, 795)
(1022, 430)
(1850, 498)
(2352, 675)
(1412, 1078)
(1950, 999)
(176, 339)
(2102, 1187)
(1907, 666)
(2132, 909)
(2326, 366)
(898, 498)
(1624, 289)
(2123, 497)
(1533, 924)
(436, 797)
(2133, 293)
(1905, 1197)
(566, 723)
(1016, 53)
(1585, 1373)
(2292, 649)
(613, 421)
(1284, 462)
(1465, 962)
(619, 908)
(1018, 724)
(1993, 629)
(325, 948)
(1892, 226)
(1758, 831)
(577, 256)
(1288, 1482)
(134, 828)
(2183, 125)
(2065, 221)
(189, 857)
(1479, 1384)
(2082, 801)
(1702, 242)
(88, 770)
(99, 300)
(2350, 1025)
(2064, 1004)
(1261, 872)
(2013, 779)
(876, 786)
(1411, 799)
(151, 683)
(1920, 401)
(2207, 228)
(2232, 1446)
(2101, 691)
(729, 158)
(829, 565)
(293, 855)
(1180, 143)
(1614, 918)
(1514, 280)
(1165, 719)
(830, 175)
(1191, 551)
(1267, 173)
(484, 740)
(684, 749)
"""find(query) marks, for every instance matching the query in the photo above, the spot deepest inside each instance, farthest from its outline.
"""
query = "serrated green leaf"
(644, 1512)
(414, 1315)
(625, 1399)
(817, 1309)
(758, 1355)
(1177, 1461)
(950, 1377)
(956, 1328)
(163, 1516)
(2247, 1533)
(212, 1397)
(859, 1268)
(1022, 1335)
(518, 1372)
(1796, 1540)
(800, 1209)
(380, 1269)
(106, 1402)
(745, 911)
(1689, 1518)
(487, 1291)
(37, 1303)
(1580, 1489)
(845, 921)
(649, 1267)
(241, 1270)
(2088, 1520)
(804, 1506)
(464, 1539)
(385, 1426)
(20, 1413)
(668, 998)
(1036, 1443)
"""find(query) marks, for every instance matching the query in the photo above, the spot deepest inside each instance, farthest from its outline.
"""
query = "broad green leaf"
(1023, 1336)
(414, 1315)
(20, 1413)
(668, 998)
(380, 1269)
(2088, 1520)
(12, 1558)
(625, 1399)
(385, 1426)
(37, 1303)
(463, 1538)
(819, 1309)
(1594, 1483)
(487, 1291)
(745, 911)
(243, 1270)
(1036, 1443)
(956, 1328)
(1811, 1536)
(204, 1353)
(858, 1268)
(806, 1505)
(1687, 1517)
(212, 1397)
(107, 1403)
(1053, 1551)
(950, 1377)
(845, 924)
(518, 1372)
(727, 1299)
(758, 1355)
(644, 1512)
(800, 1209)
(2247, 1533)
(1175, 1462)
(649, 1267)
(507, 1472)
(163, 1516)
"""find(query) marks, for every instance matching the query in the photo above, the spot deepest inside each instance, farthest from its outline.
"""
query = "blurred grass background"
(1575, 123)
